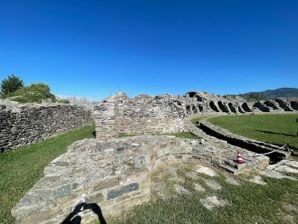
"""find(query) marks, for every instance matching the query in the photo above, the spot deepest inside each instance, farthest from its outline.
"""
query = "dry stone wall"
(25, 124)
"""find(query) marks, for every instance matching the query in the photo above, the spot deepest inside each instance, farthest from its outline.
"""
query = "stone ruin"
(116, 172)
(23, 124)
(120, 115)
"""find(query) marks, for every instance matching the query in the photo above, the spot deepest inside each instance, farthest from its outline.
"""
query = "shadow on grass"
(276, 133)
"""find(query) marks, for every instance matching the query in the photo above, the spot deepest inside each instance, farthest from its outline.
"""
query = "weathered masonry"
(119, 115)
(25, 124)
(114, 173)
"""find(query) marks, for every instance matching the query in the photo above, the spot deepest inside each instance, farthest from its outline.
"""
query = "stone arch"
(270, 104)
(200, 107)
(294, 105)
(213, 106)
(199, 98)
(194, 109)
(223, 107)
(191, 94)
(246, 107)
(188, 110)
(261, 107)
(283, 105)
(232, 108)
(178, 103)
(240, 109)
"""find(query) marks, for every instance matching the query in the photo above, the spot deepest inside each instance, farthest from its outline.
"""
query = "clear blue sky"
(96, 48)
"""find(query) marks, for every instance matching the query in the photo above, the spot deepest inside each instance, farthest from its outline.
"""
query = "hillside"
(272, 94)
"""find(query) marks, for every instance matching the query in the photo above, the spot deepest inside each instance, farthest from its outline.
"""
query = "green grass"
(273, 128)
(20, 169)
(197, 119)
(248, 203)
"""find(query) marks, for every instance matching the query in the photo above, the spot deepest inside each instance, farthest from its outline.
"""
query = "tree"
(34, 93)
(11, 84)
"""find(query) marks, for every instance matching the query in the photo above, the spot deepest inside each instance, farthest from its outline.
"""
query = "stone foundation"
(275, 152)
(115, 174)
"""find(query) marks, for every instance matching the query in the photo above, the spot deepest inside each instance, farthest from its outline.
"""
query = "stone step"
(229, 168)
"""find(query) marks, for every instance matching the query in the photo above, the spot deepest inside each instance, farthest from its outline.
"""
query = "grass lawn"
(273, 128)
(248, 203)
(20, 169)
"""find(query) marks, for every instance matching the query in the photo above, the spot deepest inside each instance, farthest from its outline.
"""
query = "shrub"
(11, 84)
(63, 101)
(33, 93)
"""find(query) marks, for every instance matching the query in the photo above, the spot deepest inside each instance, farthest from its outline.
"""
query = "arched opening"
(270, 104)
(223, 107)
(191, 94)
(294, 105)
(188, 109)
(261, 107)
(232, 108)
(213, 106)
(283, 105)
(240, 110)
(200, 107)
(194, 109)
(246, 107)
(199, 98)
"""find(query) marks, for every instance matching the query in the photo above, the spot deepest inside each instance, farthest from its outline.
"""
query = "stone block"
(122, 190)
(111, 182)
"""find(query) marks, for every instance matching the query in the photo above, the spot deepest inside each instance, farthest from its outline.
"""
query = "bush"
(63, 101)
(10, 85)
(33, 93)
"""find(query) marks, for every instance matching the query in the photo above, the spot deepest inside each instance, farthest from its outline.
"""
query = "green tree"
(11, 84)
(34, 93)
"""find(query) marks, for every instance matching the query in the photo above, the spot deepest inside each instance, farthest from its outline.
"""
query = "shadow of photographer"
(75, 218)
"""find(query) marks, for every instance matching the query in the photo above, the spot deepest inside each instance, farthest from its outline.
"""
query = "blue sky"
(96, 48)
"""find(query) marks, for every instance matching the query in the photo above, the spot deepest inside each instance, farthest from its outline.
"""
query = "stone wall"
(276, 153)
(120, 115)
(25, 124)
(116, 174)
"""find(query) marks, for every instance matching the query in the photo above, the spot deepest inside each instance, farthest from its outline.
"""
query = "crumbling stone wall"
(116, 174)
(120, 115)
(25, 124)
(205, 103)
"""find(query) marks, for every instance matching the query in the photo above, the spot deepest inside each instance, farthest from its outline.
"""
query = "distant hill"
(271, 94)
